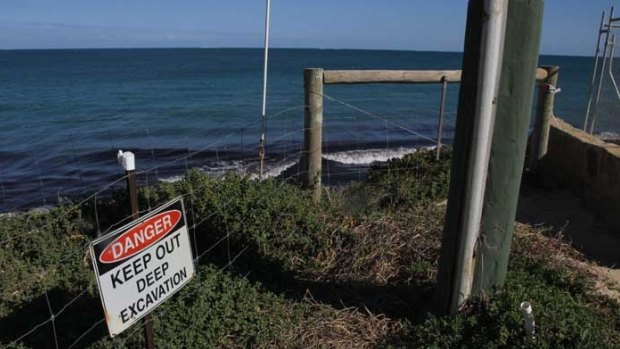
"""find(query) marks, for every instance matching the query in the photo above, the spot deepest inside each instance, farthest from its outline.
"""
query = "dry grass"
(556, 253)
(383, 250)
(379, 251)
(346, 328)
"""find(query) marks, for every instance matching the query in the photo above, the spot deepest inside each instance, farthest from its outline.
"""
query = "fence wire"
(48, 293)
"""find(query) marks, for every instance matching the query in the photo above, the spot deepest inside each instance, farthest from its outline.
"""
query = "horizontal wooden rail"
(398, 76)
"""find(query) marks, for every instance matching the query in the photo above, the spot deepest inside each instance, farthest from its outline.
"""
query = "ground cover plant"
(278, 271)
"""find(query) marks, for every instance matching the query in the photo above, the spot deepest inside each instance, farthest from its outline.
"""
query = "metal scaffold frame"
(598, 75)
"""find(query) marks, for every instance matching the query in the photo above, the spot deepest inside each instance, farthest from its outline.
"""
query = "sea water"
(64, 114)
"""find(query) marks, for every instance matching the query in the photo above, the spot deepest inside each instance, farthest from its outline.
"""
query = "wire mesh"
(49, 295)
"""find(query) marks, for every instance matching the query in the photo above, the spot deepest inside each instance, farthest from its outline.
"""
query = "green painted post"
(514, 105)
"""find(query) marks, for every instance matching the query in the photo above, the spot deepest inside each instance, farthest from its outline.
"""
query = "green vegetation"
(356, 270)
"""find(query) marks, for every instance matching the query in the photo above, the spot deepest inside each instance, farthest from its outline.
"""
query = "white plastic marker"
(127, 160)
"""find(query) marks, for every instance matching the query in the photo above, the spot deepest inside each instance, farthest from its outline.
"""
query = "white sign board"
(142, 264)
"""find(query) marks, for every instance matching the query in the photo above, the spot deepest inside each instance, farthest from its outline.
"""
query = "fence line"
(191, 190)
(367, 113)
(49, 223)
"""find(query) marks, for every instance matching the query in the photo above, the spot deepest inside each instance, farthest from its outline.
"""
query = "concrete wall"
(586, 165)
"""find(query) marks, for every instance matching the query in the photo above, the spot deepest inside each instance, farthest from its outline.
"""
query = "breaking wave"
(366, 157)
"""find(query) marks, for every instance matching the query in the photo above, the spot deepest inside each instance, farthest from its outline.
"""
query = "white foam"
(272, 170)
(277, 169)
(366, 157)
(250, 168)
(171, 179)
(224, 167)
(609, 136)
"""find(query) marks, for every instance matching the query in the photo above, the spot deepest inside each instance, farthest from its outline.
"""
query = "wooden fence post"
(514, 113)
(128, 162)
(313, 129)
(544, 114)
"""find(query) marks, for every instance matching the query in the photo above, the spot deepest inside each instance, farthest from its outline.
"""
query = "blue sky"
(570, 25)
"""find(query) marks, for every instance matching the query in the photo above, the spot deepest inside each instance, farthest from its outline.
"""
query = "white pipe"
(492, 48)
(528, 318)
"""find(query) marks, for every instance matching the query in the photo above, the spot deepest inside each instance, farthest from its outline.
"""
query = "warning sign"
(142, 264)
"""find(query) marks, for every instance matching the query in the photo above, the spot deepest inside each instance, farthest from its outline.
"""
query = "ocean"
(66, 113)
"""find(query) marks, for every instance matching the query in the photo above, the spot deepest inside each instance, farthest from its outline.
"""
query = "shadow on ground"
(563, 213)
(409, 301)
(67, 328)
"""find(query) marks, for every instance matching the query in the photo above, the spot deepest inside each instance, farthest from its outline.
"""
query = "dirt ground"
(562, 213)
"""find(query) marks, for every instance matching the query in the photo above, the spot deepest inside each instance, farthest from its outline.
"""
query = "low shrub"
(416, 178)
(42, 250)
(357, 271)
(563, 319)
(277, 220)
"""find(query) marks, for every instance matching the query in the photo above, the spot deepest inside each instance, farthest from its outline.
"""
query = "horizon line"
(256, 48)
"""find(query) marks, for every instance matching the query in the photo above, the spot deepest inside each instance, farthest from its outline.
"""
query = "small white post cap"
(127, 160)
(526, 308)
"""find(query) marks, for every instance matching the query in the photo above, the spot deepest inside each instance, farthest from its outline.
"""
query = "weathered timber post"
(514, 105)
(128, 162)
(482, 56)
(544, 114)
(313, 129)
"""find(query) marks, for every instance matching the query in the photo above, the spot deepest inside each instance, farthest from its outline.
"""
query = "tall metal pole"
(261, 146)
(486, 21)
(600, 82)
(128, 162)
(442, 110)
(611, 65)
(596, 54)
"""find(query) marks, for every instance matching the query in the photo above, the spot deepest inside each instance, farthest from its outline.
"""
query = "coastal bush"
(42, 250)
(298, 273)
(563, 319)
(276, 220)
(220, 310)
(416, 178)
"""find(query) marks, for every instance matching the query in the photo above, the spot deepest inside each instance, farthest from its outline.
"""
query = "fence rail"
(331, 77)
(316, 78)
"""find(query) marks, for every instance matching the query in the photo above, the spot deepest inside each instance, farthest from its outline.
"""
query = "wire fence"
(48, 293)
